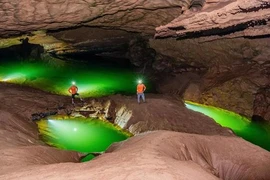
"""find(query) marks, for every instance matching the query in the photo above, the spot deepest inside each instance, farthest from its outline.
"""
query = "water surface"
(254, 132)
(93, 80)
(80, 134)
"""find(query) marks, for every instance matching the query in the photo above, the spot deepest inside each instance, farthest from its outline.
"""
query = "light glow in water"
(92, 80)
(254, 132)
(80, 134)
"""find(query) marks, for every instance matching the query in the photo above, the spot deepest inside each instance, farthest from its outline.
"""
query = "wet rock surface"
(219, 56)
(216, 154)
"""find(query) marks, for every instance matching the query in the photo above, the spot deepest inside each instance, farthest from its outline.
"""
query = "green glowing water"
(82, 135)
(94, 80)
(254, 132)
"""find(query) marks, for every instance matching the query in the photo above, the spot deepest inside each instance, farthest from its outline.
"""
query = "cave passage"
(93, 80)
(84, 135)
(254, 132)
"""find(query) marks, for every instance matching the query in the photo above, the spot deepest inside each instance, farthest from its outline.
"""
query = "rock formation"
(211, 51)
(203, 150)
(162, 155)
(224, 42)
(232, 19)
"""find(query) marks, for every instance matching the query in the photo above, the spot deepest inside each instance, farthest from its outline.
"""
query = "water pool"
(80, 134)
(93, 80)
(254, 132)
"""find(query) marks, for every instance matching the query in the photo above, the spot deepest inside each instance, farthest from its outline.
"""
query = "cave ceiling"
(71, 25)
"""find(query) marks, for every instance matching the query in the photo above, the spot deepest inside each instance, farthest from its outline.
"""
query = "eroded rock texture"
(134, 15)
(226, 73)
(211, 153)
(251, 17)
(261, 104)
(232, 18)
(209, 60)
(223, 45)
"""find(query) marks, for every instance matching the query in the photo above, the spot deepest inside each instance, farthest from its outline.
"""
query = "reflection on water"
(254, 132)
(93, 80)
(82, 135)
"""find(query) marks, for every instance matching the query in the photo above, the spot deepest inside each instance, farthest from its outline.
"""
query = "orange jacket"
(141, 88)
(73, 89)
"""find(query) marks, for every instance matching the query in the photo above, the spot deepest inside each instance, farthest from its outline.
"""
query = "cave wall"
(235, 71)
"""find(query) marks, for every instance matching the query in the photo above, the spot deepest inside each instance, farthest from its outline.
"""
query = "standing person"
(140, 91)
(73, 90)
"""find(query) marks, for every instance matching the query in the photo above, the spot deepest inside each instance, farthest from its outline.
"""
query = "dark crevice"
(196, 4)
(23, 51)
(93, 58)
(257, 37)
(177, 28)
(224, 31)
(51, 31)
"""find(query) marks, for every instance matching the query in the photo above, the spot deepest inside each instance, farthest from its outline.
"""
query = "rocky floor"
(171, 142)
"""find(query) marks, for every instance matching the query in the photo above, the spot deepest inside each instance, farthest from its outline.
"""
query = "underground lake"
(97, 80)
(255, 132)
(93, 80)
(85, 135)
